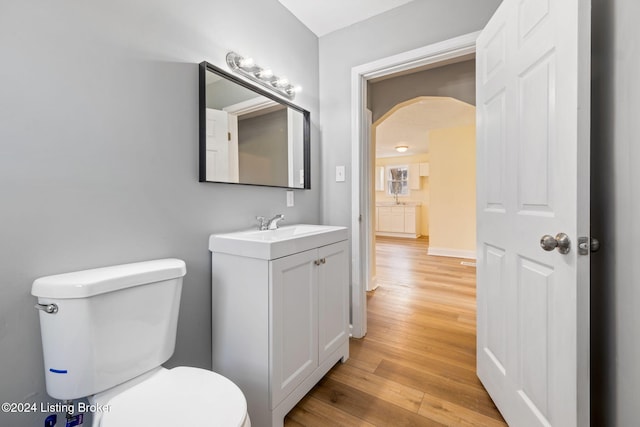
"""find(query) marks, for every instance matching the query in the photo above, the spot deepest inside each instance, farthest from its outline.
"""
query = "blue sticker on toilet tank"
(75, 420)
(58, 371)
(51, 421)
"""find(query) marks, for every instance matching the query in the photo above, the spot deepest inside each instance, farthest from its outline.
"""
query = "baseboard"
(403, 235)
(453, 253)
(373, 284)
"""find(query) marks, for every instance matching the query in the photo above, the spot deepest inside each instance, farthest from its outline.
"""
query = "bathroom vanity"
(280, 312)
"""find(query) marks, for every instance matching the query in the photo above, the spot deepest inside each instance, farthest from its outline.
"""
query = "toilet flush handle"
(47, 308)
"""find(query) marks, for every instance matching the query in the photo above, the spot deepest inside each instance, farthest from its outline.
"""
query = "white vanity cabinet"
(279, 323)
(308, 313)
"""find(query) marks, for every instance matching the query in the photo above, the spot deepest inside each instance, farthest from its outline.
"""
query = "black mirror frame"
(203, 68)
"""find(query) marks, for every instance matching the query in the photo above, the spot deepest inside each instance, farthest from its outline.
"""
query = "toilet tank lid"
(86, 283)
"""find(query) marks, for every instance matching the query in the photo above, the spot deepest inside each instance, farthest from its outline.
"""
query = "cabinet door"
(294, 324)
(397, 219)
(384, 219)
(333, 298)
(410, 220)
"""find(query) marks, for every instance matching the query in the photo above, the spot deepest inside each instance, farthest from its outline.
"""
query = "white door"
(533, 180)
(234, 163)
(217, 145)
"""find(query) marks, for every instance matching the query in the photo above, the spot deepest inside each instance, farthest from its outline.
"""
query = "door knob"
(561, 241)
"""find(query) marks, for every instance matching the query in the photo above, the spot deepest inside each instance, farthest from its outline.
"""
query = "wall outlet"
(340, 173)
(289, 198)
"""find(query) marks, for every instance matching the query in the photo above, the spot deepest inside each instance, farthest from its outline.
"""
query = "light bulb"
(282, 82)
(246, 62)
(264, 74)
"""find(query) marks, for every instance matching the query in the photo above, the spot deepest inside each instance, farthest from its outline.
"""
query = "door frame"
(361, 157)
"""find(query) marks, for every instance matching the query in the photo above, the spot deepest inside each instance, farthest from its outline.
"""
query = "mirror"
(250, 136)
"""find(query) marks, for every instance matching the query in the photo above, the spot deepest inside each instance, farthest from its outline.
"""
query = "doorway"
(425, 159)
(363, 157)
(533, 85)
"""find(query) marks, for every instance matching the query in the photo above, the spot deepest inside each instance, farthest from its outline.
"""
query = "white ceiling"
(411, 123)
(325, 16)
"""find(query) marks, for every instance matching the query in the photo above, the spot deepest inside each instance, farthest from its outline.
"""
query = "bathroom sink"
(272, 244)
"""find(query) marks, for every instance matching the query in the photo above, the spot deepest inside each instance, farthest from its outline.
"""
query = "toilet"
(105, 334)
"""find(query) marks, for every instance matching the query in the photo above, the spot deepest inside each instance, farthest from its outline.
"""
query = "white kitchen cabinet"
(391, 219)
(384, 218)
(414, 176)
(424, 169)
(410, 223)
(398, 221)
(280, 324)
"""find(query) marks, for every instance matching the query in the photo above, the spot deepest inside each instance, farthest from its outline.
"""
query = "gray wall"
(615, 174)
(99, 152)
(454, 80)
(407, 27)
(263, 149)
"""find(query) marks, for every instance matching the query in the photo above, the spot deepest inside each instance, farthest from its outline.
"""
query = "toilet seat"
(181, 396)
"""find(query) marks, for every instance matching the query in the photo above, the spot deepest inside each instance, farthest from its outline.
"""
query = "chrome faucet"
(269, 224)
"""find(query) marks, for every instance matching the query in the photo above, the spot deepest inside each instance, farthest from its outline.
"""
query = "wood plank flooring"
(416, 366)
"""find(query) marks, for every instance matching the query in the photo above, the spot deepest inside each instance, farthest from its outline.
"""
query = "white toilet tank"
(111, 325)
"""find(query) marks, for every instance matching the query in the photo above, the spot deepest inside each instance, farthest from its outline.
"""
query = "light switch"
(339, 173)
(289, 198)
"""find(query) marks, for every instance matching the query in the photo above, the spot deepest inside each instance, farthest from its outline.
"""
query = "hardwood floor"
(416, 365)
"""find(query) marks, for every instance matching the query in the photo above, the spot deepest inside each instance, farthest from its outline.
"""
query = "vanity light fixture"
(264, 76)
(401, 148)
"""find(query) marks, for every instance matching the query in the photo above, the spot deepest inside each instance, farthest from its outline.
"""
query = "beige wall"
(421, 195)
(452, 187)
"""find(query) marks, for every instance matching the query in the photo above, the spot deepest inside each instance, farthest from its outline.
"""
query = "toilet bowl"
(105, 334)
